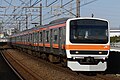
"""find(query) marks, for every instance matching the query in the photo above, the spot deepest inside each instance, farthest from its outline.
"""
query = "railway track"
(7, 71)
(27, 73)
(58, 68)
(31, 74)
(82, 75)
(107, 77)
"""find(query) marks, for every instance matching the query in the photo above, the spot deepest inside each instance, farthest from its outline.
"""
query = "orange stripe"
(40, 44)
(56, 26)
(71, 47)
(47, 45)
(55, 46)
(87, 47)
(35, 44)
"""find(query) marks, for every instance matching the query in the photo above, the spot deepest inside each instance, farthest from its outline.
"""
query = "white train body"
(87, 44)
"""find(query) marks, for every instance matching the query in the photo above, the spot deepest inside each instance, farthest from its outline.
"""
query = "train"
(81, 44)
(3, 39)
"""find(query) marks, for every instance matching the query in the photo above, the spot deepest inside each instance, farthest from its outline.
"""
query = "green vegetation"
(115, 39)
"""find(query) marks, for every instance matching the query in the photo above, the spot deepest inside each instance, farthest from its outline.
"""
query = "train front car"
(87, 44)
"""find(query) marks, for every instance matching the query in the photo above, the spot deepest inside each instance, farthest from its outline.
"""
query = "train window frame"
(47, 40)
(20, 38)
(35, 37)
(63, 35)
(25, 38)
(51, 36)
(28, 38)
(40, 37)
(43, 37)
(55, 35)
(32, 38)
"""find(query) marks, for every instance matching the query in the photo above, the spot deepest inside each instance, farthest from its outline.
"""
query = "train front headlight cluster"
(89, 52)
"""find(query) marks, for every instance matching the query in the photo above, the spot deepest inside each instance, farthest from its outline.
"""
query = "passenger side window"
(47, 36)
(63, 35)
(55, 37)
(35, 37)
(40, 37)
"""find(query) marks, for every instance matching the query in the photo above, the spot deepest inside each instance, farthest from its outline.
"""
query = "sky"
(107, 9)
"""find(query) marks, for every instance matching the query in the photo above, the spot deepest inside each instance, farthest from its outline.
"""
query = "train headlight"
(100, 52)
(76, 52)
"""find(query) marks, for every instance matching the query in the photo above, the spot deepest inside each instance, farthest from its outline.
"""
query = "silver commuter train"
(82, 43)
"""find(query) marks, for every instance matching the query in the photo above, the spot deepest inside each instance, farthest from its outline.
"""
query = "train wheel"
(53, 59)
(44, 56)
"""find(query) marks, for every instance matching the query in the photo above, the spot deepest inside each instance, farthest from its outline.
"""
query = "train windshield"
(89, 31)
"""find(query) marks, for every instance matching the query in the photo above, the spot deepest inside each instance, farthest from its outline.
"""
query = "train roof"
(52, 23)
(58, 21)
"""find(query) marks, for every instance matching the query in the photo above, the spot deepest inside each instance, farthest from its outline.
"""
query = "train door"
(51, 40)
(43, 39)
(38, 40)
(60, 40)
(35, 40)
(47, 41)
(32, 40)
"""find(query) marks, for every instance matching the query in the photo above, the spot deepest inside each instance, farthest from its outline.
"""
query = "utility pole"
(19, 25)
(40, 13)
(77, 8)
(26, 21)
(30, 2)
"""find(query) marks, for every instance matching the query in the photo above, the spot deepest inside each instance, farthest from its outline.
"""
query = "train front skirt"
(76, 66)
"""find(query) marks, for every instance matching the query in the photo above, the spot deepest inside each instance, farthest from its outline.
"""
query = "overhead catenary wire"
(21, 10)
(66, 11)
(23, 3)
(8, 6)
(35, 3)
